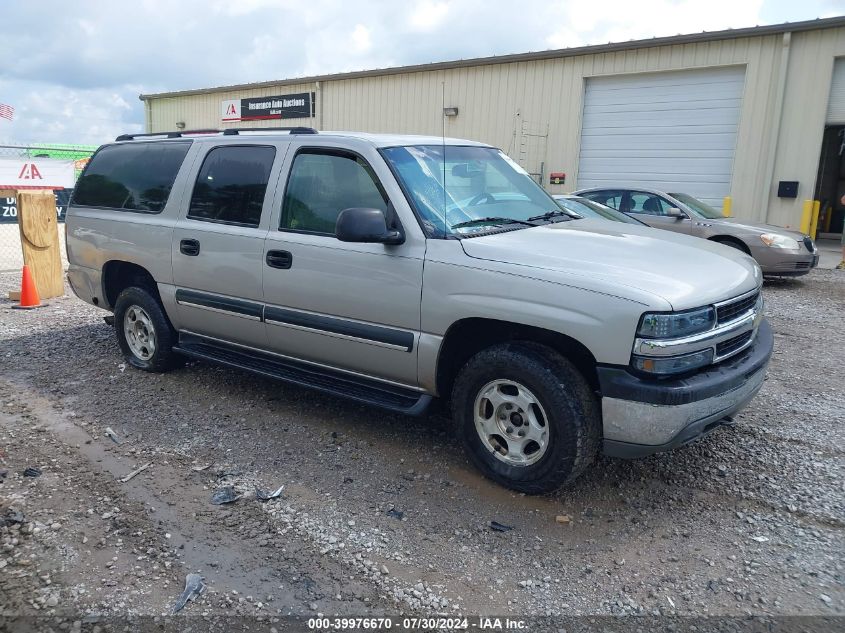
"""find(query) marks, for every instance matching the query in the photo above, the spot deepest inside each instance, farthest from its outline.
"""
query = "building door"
(671, 131)
(830, 182)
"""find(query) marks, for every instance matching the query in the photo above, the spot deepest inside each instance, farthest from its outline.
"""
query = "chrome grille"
(729, 311)
(726, 348)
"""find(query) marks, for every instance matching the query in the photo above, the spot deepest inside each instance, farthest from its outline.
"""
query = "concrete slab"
(830, 253)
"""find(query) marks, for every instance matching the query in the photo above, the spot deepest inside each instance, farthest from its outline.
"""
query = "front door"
(349, 306)
(653, 210)
(218, 245)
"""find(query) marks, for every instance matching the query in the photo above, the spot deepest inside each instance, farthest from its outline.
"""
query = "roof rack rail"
(178, 134)
(293, 130)
(232, 131)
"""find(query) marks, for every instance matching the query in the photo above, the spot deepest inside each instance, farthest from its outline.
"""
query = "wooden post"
(39, 231)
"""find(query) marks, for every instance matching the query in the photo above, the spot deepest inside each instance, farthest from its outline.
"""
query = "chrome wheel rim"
(140, 333)
(511, 423)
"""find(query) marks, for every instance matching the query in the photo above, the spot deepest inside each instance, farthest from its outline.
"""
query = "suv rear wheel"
(143, 331)
(526, 416)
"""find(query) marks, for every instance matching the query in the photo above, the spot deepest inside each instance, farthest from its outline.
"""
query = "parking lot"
(381, 513)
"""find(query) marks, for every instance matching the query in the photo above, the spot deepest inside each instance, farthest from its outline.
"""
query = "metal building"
(747, 113)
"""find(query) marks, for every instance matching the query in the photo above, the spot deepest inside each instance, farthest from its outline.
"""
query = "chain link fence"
(21, 158)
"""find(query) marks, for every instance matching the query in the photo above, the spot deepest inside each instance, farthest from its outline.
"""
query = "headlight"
(672, 364)
(780, 241)
(675, 324)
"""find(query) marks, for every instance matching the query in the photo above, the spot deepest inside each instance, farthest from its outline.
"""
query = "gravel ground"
(382, 513)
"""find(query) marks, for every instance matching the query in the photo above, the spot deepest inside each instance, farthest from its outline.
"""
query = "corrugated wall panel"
(495, 99)
(836, 101)
(808, 82)
(674, 131)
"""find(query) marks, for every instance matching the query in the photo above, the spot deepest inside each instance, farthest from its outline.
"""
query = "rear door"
(350, 306)
(608, 197)
(218, 243)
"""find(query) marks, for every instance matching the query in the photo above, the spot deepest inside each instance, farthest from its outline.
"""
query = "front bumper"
(644, 416)
(780, 262)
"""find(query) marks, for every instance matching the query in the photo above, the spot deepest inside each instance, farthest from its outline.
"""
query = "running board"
(393, 398)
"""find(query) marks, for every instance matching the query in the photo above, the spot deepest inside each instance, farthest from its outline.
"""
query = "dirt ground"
(382, 514)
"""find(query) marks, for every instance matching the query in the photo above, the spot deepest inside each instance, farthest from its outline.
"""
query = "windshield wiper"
(493, 220)
(548, 215)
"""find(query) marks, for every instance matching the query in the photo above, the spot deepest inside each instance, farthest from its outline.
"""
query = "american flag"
(7, 111)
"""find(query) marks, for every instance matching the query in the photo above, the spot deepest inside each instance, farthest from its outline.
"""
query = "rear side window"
(231, 185)
(607, 198)
(322, 184)
(131, 176)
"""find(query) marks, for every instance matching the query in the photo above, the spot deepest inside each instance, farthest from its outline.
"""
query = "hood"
(608, 257)
(760, 228)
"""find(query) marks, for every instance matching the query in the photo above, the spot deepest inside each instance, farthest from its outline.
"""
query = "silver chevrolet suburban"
(396, 270)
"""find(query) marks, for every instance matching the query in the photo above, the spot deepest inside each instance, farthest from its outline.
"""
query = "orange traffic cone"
(29, 293)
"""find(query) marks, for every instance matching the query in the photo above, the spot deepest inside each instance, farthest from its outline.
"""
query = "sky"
(73, 70)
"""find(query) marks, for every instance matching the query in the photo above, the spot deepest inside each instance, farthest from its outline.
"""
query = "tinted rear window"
(131, 176)
(231, 184)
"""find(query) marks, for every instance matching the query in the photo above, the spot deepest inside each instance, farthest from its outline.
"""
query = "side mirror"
(675, 212)
(365, 225)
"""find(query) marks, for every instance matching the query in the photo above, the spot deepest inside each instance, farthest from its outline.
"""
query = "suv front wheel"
(526, 416)
(144, 333)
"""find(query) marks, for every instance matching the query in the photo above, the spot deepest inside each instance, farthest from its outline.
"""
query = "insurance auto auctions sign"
(36, 173)
(295, 106)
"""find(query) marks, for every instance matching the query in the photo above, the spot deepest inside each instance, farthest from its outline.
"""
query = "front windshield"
(589, 209)
(698, 207)
(484, 189)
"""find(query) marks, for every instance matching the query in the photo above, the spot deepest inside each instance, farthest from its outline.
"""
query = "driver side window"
(324, 183)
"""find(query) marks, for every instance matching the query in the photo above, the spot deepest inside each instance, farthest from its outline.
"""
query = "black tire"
(162, 358)
(732, 243)
(571, 411)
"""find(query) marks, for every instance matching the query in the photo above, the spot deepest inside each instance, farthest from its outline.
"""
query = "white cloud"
(74, 70)
(53, 114)
(361, 38)
(427, 15)
(590, 22)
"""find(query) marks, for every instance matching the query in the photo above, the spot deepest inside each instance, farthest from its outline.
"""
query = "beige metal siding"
(801, 127)
(514, 105)
(498, 103)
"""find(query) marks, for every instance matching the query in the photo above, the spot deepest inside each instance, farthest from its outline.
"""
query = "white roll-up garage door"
(674, 131)
(836, 103)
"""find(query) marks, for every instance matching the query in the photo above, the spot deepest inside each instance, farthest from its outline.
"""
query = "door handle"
(279, 259)
(189, 247)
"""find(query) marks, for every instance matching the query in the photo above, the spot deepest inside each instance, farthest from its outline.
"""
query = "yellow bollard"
(726, 207)
(814, 223)
(806, 216)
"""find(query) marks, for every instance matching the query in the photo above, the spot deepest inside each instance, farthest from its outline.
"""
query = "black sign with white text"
(295, 106)
(9, 207)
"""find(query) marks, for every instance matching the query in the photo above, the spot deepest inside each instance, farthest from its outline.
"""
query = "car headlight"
(675, 324)
(780, 241)
(667, 365)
